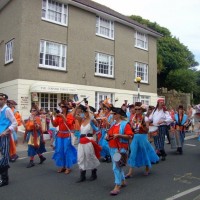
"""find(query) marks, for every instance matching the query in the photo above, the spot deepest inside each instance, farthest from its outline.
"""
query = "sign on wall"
(24, 101)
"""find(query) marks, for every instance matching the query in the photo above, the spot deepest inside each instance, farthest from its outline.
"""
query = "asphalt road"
(178, 175)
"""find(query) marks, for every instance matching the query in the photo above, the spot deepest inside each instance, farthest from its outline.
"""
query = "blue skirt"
(32, 151)
(142, 153)
(65, 154)
(104, 144)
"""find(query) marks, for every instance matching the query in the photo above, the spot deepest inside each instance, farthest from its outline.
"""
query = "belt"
(86, 135)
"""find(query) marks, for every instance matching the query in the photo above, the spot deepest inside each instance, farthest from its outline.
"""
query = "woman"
(142, 153)
(88, 150)
(104, 123)
(181, 121)
(118, 136)
(65, 155)
(33, 135)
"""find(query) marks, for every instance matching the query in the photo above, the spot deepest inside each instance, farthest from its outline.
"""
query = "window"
(48, 101)
(52, 55)
(99, 96)
(144, 99)
(104, 65)
(104, 28)
(141, 70)
(141, 40)
(54, 12)
(65, 96)
(9, 52)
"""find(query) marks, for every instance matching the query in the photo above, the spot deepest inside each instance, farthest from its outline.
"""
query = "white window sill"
(104, 36)
(103, 75)
(9, 61)
(52, 67)
(145, 49)
(54, 22)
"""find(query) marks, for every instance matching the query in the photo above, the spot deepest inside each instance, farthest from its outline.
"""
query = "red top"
(115, 143)
(70, 120)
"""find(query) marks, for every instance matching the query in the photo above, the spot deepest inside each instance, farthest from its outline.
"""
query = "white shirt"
(160, 115)
(11, 117)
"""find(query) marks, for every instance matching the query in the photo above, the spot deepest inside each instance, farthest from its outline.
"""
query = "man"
(161, 118)
(14, 138)
(8, 124)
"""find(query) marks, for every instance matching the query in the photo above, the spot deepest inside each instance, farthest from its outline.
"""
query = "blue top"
(4, 121)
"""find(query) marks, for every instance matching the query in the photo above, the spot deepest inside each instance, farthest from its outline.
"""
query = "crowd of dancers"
(132, 135)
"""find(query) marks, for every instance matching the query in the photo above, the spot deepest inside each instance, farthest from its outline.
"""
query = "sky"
(181, 17)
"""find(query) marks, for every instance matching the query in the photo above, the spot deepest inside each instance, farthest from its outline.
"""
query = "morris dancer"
(14, 138)
(142, 153)
(104, 123)
(65, 155)
(8, 124)
(33, 135)
(88, 149)
(160, 117)
(181, 121)
(118, 136)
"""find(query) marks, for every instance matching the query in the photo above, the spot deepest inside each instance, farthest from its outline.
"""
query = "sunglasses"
(114, 113)
(63, 106)
(138, 109)
(1, 99)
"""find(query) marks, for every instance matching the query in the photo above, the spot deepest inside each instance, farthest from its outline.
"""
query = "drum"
(153, 130)
(117, 156)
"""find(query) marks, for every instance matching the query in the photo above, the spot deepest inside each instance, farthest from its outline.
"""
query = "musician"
(160, 117)
(142, 153)
(88, 149)
(65, 155)
(7, 124)
(33, 135)
(118, 136)
(181, 121)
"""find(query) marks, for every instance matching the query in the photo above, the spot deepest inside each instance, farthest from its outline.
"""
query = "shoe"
(124, 184)
(68, 171)
(114, 192)
(42, 159)
(14, 158)
(61, 170)
(128, 176)
(82, 176)
(93, 175)
(146, 173)
(30, 164)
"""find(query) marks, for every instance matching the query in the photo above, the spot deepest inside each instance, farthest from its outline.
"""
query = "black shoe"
(4, 178)
(93, 175)
(42, 159)
(30, 164)
(14, 158)
(82, 176)
(109, 160)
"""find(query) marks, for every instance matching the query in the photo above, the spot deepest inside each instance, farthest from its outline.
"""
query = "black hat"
(119, 111)
(4, 95)
(180, 107)
(139, 104)
(131, 106)
(84, 108)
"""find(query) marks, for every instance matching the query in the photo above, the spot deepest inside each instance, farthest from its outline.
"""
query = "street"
(176, 178)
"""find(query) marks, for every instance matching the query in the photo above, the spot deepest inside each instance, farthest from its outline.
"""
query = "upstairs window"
(104, 28)
(52, 55)
(141, 70)
(141, 40)
(54, 12)
(9, 52)
(104, 65)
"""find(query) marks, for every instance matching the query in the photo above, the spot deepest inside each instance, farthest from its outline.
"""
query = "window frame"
(138, 74)
(143, 98)
(48, 97)
(43, 45)
(144, 40)
(110, 67)
(63, 14)
(111, 29)
(9, 46)
(104, 95)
